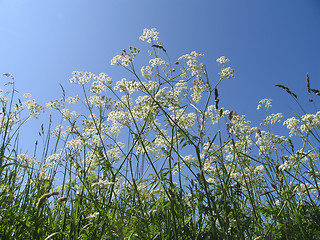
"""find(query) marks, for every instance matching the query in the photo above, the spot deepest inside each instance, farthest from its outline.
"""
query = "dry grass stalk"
(62, 199)
(44, 197)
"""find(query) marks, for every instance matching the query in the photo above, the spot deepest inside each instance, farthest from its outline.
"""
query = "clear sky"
(268, 42)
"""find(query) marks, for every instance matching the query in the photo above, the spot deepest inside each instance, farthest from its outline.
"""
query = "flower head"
(149, 35)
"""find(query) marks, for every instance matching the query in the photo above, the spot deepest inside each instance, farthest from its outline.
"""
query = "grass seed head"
(62, 199)
(44, 197)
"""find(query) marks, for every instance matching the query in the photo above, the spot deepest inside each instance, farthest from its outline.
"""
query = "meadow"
(156, 157)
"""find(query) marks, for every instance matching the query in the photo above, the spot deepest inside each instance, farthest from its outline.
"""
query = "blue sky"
(268, 42)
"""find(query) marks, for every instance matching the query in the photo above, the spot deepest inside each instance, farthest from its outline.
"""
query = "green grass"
(155, 157)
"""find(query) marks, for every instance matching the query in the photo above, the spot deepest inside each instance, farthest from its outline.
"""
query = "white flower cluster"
(226, 72)
(266, 102)
(67, 114)
(93, 215)
(192, 65)
(146, 72)
(57, 104)
(34, 108)
(222, 60)
(310, 121)
(273, 118)
(124, 59)
(24, 159)
(127, 86)
(73, 100)
(307, 123)
(102, 183)
(100, 84)
(149, 35)
(81, 77)
(156, 62)
(183, 120)
(8, 121)
(27, 95)
(267, 141)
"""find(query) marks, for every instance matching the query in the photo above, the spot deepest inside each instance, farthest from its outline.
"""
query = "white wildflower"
(149, 35)
(222, 60)
(93, 215)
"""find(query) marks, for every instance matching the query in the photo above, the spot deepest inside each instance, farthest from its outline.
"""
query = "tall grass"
(156, 157)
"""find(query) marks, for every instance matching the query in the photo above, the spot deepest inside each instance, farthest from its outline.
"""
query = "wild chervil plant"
(145, 159)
